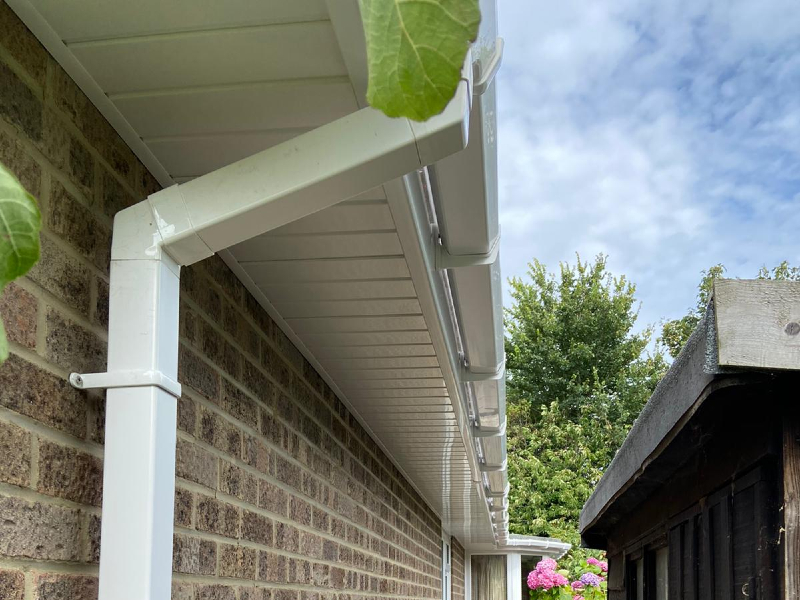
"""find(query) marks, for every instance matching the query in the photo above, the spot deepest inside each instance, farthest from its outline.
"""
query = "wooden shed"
(702, 500)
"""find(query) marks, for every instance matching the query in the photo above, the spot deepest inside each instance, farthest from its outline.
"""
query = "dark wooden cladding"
(724, 497)
(744, 541)
(791, 504)
(720, 549)
(728, 549)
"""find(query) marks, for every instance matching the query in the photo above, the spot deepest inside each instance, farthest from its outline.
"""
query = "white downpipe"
(182, 225)
(513, 576)
(139, 474)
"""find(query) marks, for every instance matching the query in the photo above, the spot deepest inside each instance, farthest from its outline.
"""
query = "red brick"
(67, 278)
(59, 586)
(217, 517)
(77, 225)
(92, 551)
(36, 393)
(197, 287)
(256, 454)
(15, 448)
(17, 160)
(239, 405)
(195, 464)
(273, 498)
(113, 197)
(197, 374)
(187, 415)
(37, 530)
(237, 561)
(184, 507)
(193, 556)
(300, 511)
(220, 433)
(72, 346)
(214, 592)
(12, 585)
(257, 528)
(182, 591)
(71, 474)
(255, 593)
(19, 105)
(100, 312)
(271, 567)
(237, 482)
(23, 46)
(238, 327)
(287, 537)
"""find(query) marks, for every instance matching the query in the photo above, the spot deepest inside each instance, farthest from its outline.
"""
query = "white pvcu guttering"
(180, 226)
(539, 545)
(464, 188)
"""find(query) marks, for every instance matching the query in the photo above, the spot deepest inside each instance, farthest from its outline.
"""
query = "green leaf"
(415, 52)
(20, 222)
(3, 344)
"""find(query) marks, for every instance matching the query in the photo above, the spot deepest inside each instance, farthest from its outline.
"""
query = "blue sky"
(664, 134)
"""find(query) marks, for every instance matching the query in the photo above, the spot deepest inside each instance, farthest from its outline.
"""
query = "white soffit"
(344, 287)
(195, 85)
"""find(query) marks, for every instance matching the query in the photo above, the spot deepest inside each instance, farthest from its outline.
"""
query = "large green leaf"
(20, 222)
(415, 51)
(3, 344)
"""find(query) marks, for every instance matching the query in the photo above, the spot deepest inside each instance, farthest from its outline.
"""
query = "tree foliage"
(579, 375)
(675, 333)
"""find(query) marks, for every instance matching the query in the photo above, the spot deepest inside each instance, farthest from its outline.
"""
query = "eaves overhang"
(373, 267)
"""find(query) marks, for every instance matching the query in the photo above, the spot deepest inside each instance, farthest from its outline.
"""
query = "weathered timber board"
(758, 323)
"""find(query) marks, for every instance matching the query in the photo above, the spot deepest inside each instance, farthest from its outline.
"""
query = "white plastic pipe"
(139, 473)
(304, 175)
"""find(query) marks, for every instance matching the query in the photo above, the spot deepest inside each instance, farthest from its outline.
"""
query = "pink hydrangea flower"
(547, 563)
(592, 561)
(577, 585)
(545, 577)
(604, 566)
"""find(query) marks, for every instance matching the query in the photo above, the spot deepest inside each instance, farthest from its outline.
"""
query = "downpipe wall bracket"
(125, 379)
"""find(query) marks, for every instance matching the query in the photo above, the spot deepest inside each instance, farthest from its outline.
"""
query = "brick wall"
(281, 495)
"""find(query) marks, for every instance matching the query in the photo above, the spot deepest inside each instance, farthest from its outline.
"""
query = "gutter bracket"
(125, 379)
(484, 468)
(503, 494)
(468, 375)
(483, 77)
(445, 260)
(484, 432)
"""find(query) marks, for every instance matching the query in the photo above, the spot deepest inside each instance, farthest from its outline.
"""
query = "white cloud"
(666, 134)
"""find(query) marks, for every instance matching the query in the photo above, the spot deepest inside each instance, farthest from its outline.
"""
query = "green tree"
(675, 333)
(568, 335)
(579, 375)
